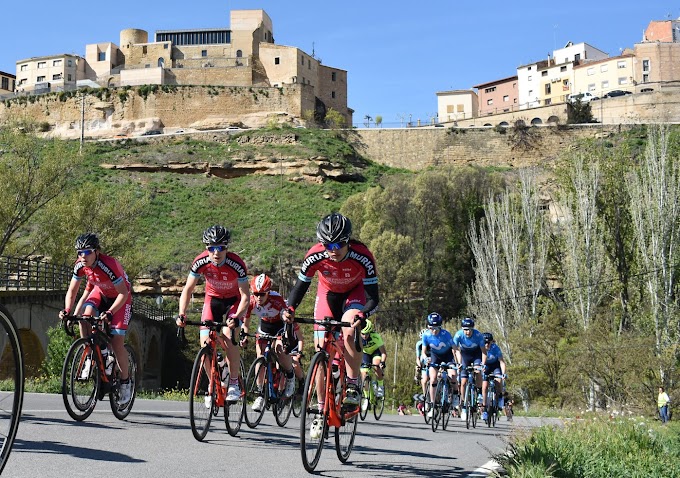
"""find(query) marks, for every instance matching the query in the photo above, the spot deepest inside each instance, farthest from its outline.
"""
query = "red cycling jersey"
(221, 280)
(105, 274)
(357, 267)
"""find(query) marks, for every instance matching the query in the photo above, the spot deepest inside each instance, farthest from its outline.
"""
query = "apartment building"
(528, 83)
(7, 83)
(456, 105)
(49, 73)
(602, 76)
(498, 96)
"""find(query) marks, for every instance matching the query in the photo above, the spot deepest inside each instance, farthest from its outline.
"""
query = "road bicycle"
(491, 408)
(326, 383)
(88, 375)
(470, 401)
(268, 372)
(207, 394)
(369, 399)
(11, 400)
(443, 396)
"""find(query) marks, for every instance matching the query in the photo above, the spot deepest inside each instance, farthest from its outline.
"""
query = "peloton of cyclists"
(495, 367)
(438, 348)
(267, 305)
(469, 346)
(107, 293)
(347, 289)
(374, 354)
(226, 294)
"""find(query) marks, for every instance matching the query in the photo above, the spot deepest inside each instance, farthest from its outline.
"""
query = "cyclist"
(469, 346)
(421, 366)
(374, 353)
(108, 294)
(437, 349)
(495, 365)
(267, 305)
(347, 288)
(226, 293)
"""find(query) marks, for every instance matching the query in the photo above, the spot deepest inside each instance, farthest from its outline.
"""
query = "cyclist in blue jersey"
(438, 347)
(495, 365)
(469, 347)
(421, 366)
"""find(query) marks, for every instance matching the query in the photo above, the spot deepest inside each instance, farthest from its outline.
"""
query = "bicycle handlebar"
(211, 324)
(67, 323)
(331, 322)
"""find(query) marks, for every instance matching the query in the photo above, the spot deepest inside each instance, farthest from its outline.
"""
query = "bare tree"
(655, 207)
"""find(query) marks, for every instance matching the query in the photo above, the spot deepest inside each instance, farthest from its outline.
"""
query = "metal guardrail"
(20, 274)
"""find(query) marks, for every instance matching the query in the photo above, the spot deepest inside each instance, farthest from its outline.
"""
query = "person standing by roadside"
(662, 401)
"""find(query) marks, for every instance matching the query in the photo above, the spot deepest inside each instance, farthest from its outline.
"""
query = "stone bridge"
(33, 291)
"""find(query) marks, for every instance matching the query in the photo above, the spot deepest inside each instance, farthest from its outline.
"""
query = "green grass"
(596, 448)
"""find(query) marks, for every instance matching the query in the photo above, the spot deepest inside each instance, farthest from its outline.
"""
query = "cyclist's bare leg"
(423, 381)
(321, 375)
(297, 367)
(233, 352)
(433, 383)
(485, 387)
(118, 346)
(378, 370)
(284, 359)
(84, 325)
(452, 380)
(463, 383)
(352, 356)
(260, 376)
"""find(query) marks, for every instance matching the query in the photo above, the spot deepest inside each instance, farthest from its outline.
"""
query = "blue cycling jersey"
(419, 348)
(469, 347)
(440, 344)
(493, 357)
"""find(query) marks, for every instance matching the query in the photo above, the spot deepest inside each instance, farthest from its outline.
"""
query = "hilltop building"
(7, 83)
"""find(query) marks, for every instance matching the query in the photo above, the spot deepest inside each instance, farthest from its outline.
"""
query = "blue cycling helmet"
(467, 323)
(488, 337)
(434, 320)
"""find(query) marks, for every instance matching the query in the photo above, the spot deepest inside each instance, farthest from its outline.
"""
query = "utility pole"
(82, 122)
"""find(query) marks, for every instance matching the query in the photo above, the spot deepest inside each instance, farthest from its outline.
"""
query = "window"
(604, 68)
(506, 98)
(5, 83)
(165, 46)
(490, 90)
(529, 68)
(548, 101)
(101, 56)
(57, 76)
(277, 60)
(591, 87)
(605, 85)
(332, 94)
(333, 76)
(531, 92)
(144, 50)
(69, 63)
(645, 65)
(204, 53)
(40, 79)
(623, 80)
(515, 101)
(590, 71)
(460, 108)
(645, 78)
(68, 77)
(489, 101)
(42, 64)
(449, 108)
(563, 68)
(529, 78)
(547, 89)
(56, 63)
(577, 57)
(23, 67)
(544, 73)
(620, 64)
(239, 54)
(302, 59)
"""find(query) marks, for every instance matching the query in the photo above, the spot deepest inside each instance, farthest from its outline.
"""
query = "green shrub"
(57, 348)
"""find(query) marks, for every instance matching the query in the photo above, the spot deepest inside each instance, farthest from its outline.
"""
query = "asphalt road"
(156, 441)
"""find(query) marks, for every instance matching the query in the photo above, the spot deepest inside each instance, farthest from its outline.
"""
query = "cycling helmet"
(467, 323)
(422, 332)
(334, 228)
(488, 337)
(88, 240)
(369, 328)
(216, 235)
(261, 283)
(434, 320)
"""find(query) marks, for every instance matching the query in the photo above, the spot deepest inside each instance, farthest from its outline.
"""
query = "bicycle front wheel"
(10, 400)
(365, 398)
(378, 407)
(234, 411)
(427, 403)
(297, 399)
(253, 392)
(313, 424)
(345, 434)
(80, 380)
(202, 394)
(446, 407)
(437, 406)
(283, 407)
(120, 411)
(468, 405)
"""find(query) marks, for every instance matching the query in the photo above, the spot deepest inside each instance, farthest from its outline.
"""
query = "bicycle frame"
(96, 337)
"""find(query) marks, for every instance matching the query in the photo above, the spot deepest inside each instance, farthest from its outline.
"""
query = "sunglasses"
(85, 252)
(259, 294)
(465, 329)
(334, 246)
(434, 327)
(216, 248)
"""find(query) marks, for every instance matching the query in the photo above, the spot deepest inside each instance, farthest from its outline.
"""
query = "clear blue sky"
(398, 54)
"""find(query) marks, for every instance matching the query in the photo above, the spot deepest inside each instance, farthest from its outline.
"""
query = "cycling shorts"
(368, 359)
(102, 303)
(445, 358)
(494, 369)
(335, 304)
(216, 309)
(463, 371)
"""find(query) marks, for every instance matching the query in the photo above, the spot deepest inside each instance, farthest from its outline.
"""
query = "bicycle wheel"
(79, 387)
(437, 407)
(474, 408)
(378, 407)
(345, 434)
(234, 411)
(283, 407)
(122, 411)
(468, 405)
(297, 399)
(365, 398)
(446, 407)
(490, 412)
(201, 395)
(254, 417)
(10, 400)
(311, 440)
(427, 403)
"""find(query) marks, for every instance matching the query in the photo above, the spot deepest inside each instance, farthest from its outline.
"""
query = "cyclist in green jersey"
(374, 353)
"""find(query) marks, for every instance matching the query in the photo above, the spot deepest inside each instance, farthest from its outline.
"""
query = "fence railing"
(21, 274)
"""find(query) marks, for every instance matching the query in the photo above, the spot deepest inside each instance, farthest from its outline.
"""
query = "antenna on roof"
(312, 49)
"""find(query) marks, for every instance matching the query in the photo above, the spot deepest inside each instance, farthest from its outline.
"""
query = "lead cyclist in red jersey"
(348, 287)
(226, 294)
(107, 293)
